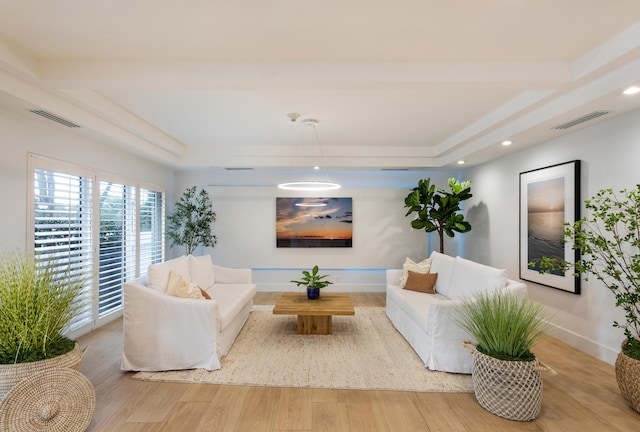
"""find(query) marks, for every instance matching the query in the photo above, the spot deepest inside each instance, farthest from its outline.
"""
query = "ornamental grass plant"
(505, 325)
(37, 302)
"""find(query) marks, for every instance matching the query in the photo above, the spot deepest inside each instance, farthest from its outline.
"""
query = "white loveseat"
(425, 320)
(165, 332)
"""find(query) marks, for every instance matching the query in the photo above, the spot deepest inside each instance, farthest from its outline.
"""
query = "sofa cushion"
(410, 265)
(415, 304)
(470, 278)
(201, 270)
(421, 282)
(443, 265)
(179, 287)
(158, 274)
(231, 299)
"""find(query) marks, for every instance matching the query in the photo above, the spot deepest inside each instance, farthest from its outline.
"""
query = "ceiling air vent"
(54, 117)
(238, 169)
(579, 120)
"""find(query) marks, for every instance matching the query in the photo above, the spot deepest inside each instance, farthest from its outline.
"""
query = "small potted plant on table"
(313, 281)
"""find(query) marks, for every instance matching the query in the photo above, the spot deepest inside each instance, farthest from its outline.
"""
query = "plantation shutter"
(151, 228)
(62, 216)
(117, 262)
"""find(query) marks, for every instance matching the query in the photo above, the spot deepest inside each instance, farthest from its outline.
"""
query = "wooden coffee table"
(314, 316)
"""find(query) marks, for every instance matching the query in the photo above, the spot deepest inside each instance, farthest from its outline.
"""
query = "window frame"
(36, 161)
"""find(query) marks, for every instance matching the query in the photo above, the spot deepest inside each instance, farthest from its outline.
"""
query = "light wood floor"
(582, 397)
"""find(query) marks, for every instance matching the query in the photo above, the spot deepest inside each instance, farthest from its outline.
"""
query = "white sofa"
(425, 320)
(165, 332)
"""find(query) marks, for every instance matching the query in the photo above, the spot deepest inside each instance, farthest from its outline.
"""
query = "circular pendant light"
(309, 185)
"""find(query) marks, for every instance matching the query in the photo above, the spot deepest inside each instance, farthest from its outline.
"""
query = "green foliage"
(609, 242)
(190, 223)
(37, 302)
(437, 209)
(313, 279)
(505, 325)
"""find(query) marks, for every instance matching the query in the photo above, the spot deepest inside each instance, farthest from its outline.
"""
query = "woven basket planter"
(12, 374)
(509, 389)
(628, 377)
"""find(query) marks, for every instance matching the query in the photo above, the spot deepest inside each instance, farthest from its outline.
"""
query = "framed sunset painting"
(314, 222)
(549, 199)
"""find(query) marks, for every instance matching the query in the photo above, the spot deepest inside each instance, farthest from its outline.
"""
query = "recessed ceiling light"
(631, 90)
(506, 143)
(460, 162)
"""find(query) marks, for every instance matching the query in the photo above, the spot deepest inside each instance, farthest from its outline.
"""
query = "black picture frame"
(549, 199)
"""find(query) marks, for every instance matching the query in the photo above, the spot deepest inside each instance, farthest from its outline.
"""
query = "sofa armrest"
(232, 275)
(163, 332)
(393, 276)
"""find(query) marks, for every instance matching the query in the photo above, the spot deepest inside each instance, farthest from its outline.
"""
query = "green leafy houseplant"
(190, 223)
(505, 325)
(312, 279)
(437, 209)
(37, 302)
(609, 242)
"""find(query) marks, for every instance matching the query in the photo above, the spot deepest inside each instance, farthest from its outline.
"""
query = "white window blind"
(117, 262)
(103, 227)
(63, 220)
(151, 228)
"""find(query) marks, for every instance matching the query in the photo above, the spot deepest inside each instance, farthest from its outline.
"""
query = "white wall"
(24, 133)
(245, 227)
(610, 157)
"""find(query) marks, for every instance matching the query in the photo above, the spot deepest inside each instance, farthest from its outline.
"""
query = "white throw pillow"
(443, 265)
(470, 278)
(410, 265)
(179, 287)
(201, 270)
(158, 274)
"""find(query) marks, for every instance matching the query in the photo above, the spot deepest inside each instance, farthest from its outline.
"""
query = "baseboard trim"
(585, 345)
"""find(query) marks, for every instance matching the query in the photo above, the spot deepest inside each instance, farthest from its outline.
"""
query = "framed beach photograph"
(314, 222)
(549, 199)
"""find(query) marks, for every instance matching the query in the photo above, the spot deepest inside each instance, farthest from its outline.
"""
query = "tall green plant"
(37, 302)
(609, 243)
(505, 325)
(438, 210)
(190, 223)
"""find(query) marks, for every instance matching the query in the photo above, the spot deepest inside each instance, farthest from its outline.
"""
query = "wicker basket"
(628, 377)
(12, 374)
(509, 389)
(52, 400)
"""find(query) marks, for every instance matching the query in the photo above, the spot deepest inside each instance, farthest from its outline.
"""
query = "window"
(72, 206)
(117, 244)
(151, 230)
(62, 217)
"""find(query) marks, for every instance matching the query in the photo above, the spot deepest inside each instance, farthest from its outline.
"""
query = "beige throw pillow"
(421, 282)
(409, 265)
(179, 287)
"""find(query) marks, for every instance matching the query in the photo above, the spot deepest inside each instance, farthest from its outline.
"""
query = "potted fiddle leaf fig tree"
(190, 223)
(506, 375)
(439, 210)
(313, 281)
(609, 243)
(37, 303)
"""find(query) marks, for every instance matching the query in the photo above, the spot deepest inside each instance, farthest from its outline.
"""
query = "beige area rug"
(364, 352)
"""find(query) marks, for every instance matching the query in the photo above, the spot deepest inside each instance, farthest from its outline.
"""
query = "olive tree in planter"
(609, 242)
(439, 210)
(190, 223)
